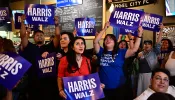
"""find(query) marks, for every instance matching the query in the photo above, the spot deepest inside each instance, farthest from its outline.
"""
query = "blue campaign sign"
(39, 14)
(18, 23)
(4, 14)
(63, 3)
(85, 26)
(47, 66)
(151, 22)
(12, 68)
(126, 31)
(83, 87)
(126, 18)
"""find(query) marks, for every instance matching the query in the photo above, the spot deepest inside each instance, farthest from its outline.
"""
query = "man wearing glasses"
(159, 83)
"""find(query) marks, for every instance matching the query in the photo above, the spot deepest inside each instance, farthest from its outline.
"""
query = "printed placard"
(63, 3)
(4, 14)
(125, 18)
(126, 31)
(83, 87)
(18, 23)
(47, 66)
(12, 68)
(39, 14)
(151, 22)
(85, 26)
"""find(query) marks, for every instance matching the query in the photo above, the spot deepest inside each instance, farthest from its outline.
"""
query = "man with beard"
(38, 88)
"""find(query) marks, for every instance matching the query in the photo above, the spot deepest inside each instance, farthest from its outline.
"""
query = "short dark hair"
(70, 35)
(161, 96)
(148, 41)
(36, 31)
(165, 71)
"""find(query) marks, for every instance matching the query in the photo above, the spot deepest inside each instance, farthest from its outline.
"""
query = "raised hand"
(56, 19)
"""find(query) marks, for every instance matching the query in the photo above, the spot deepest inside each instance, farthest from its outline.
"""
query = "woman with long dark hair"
(166, 48)
(6, 46)
(74, 63)
(111, 63)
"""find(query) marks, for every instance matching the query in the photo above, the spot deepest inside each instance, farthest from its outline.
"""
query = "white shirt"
(170, 64)
(148, 92)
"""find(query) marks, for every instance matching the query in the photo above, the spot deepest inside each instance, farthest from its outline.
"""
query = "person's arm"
(99, 36)
(131, 51)
(160, 33)
(57, 32)
(61, 71)
(60, 87)
(75, 32)
(157, 48)
(23, 35)
(131, 41)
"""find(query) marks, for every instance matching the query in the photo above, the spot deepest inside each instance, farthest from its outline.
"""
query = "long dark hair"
(121, 42)
(115, 44)
(71, 38)
(8, 46)
(71, 56)
(170, 47)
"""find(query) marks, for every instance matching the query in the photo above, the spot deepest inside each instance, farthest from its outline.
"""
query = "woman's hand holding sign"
(62, 93)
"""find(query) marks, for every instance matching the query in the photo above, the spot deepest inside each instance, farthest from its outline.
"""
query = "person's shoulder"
(145, 94)
(64, 58)
(171, 89)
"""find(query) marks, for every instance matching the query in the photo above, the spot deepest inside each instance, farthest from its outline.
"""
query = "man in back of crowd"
(38, 88)
(159, 83)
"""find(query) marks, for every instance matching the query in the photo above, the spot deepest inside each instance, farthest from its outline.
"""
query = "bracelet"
(131, 39)
(139, 36)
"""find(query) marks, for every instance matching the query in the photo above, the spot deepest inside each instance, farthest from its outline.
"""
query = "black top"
(40, 88)
(143, 66)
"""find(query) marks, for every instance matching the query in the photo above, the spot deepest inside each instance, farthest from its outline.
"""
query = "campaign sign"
(126, 31)
(12, 68)
(39, 14)
(125, 18)
(18, 23)
(63, 3)
(151, 22)
(47, 66)
(85, 26)
(83, 87)
(4, 13)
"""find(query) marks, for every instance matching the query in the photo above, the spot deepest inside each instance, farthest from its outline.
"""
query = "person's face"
(160, 82)
(64, 41)
(79, 46)
(147, 47)
(165, 44)
(39, 38)
(122, 45)
(109, 42)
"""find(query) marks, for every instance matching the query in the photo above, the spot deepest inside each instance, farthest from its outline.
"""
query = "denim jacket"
(151, 58)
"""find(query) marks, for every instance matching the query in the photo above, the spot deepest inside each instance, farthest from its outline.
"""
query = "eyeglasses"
(160, 79)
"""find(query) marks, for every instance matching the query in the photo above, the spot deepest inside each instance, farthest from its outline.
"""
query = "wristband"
(131, 39)
(139, 36)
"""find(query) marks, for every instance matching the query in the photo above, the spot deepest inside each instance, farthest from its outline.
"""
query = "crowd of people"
(115, 63)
